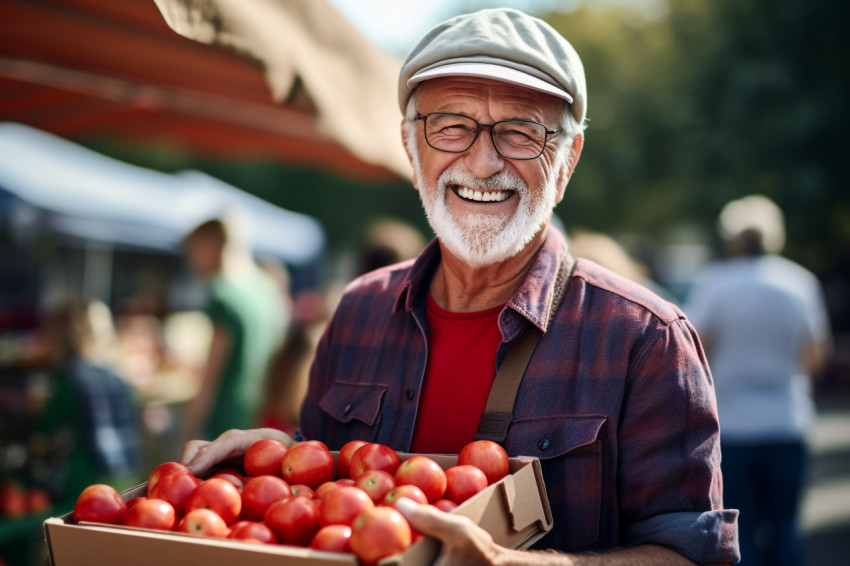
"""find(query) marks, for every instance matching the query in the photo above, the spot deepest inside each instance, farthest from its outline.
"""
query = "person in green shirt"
(245, 306)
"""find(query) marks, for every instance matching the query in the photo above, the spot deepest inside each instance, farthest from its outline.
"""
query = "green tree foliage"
(710, 102)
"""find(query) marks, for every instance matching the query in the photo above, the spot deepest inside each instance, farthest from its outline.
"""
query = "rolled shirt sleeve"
(671, 488)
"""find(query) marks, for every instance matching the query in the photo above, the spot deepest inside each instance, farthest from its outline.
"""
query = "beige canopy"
(309, 54)
(288, 80)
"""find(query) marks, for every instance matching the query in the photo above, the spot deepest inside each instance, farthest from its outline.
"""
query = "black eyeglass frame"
(478, 126)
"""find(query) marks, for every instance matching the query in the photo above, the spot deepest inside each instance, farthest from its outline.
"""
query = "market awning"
(50, 184)
(307, 89)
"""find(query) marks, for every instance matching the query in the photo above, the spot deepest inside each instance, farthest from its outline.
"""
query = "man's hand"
(201, 455)
(464, 543)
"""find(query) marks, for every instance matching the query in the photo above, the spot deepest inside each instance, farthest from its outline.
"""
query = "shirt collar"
(532, 300)
(418, 278)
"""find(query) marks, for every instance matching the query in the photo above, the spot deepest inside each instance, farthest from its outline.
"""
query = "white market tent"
(53, 185)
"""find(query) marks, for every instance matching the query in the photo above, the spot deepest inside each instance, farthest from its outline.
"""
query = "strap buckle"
(494, 426)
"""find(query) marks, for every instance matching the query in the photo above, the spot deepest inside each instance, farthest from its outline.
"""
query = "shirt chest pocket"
(571, 457)
(354, 406)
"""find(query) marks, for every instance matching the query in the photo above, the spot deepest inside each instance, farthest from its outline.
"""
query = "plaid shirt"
(91, 422)
(108, 417)
(617, 401)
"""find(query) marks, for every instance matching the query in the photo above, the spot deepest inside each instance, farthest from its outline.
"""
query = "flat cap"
(501, 44)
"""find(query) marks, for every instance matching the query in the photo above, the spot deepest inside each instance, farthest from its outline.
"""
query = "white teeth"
(482, 196)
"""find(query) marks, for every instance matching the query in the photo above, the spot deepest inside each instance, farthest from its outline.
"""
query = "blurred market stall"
(290, 83)
(85, 200)
(77, 224)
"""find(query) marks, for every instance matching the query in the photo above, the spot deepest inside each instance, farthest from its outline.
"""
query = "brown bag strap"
(498, 414)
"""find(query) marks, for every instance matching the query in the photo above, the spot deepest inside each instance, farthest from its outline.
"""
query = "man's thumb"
(426, 519)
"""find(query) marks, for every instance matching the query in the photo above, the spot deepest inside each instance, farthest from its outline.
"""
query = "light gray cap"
(501, 44)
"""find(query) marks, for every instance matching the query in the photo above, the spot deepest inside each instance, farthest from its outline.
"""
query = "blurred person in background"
(89, 431)
(387, 242)
(608, 252)
(290, 369)
(764, 325)
(245, 305)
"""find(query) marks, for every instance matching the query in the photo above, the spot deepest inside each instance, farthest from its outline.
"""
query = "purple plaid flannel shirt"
(617, 401)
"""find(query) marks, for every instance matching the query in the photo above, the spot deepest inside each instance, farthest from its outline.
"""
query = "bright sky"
(396, 25)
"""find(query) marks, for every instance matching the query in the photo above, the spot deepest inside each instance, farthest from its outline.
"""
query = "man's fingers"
(197, 456)
(190, 450)
(431, 521)
(201, 455)
(463, 542)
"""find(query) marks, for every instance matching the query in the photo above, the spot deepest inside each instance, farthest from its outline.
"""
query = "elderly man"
(616, 400)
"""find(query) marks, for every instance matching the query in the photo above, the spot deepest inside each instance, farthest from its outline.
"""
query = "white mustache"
(501, 181)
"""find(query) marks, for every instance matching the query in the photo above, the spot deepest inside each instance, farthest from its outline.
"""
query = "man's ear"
(568, 165)
(405, 135)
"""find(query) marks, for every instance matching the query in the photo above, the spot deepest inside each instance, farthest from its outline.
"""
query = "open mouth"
(476, 195)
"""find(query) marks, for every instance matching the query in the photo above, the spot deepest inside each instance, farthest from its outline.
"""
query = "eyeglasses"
(514, 139)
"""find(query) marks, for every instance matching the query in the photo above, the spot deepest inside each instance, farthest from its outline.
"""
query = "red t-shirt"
(461, 368)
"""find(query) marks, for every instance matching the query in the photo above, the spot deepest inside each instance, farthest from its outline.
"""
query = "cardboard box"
(514, 510)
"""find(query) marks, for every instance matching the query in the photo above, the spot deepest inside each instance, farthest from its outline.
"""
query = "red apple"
(487, 456)
(424, 473)
(203, 522)
(265, 457)
(464, 481)
(343, 458)
(236, 480)
(332, 538)
(377, 483)
(378, 533)
(408, 490)
(259, 493)
(151, 514)
(374, 456)
(100, 503)
(327, 486)
(301, 489)
(219, 495)
(174, 488)
(340, 506)
(294, 520)
(163, 470)
(309, 462)
(252, 530)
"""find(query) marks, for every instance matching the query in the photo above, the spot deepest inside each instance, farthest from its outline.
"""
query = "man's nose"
(481, 158)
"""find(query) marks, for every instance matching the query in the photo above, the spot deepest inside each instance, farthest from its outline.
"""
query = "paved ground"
(826, 510)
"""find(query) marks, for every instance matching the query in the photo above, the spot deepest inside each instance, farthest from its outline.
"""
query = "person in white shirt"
(763, 322)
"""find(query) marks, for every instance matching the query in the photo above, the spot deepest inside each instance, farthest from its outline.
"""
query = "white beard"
(485, 239)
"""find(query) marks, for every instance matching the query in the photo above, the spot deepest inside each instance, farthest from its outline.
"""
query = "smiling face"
(483, 207)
